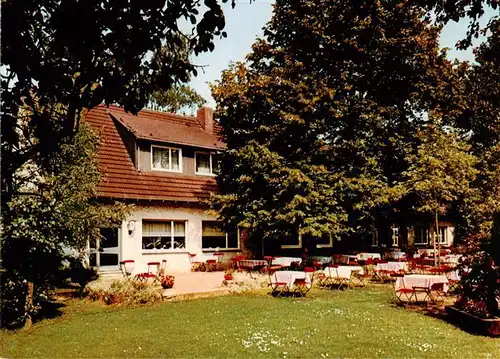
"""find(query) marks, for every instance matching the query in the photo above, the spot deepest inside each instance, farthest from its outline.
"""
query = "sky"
(244, 24)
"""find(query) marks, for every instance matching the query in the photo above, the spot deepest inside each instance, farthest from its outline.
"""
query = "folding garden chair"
(195, 265)
(281, 288)
(127, 267)
(339, 280)
(403, 292)
(220, 258)
(153, 273)
(436, 293)
(360, 277)
(211, 265)
(302, 285)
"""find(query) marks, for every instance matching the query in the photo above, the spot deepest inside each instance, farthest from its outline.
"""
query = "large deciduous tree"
(59, 58)
(440, 172)
(177, 98)
(320, 120)
(81, 53)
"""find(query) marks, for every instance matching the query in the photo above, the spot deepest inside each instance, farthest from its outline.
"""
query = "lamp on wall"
(131, 227)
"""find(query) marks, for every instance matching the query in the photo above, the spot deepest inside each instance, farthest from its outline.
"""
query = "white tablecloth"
(341, 271)
(365, 256)
(451, 258)
(344, 258)
(392, 266)
(289, 276)
(285, 261)
(321, 259)
(421, 280)
(394, 255)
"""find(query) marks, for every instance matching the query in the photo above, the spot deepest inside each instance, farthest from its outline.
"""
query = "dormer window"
(205, 163)
(166, 159)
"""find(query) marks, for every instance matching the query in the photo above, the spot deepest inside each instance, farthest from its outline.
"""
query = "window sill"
(165, 170)
(205, 174)
(165, 251)
(208, 250)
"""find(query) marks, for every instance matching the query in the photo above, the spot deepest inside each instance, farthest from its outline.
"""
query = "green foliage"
(440, 172)
(128, 293)
(54, 210)
(454, 10)
(319, 121)
(80, 54)
(346, 324)
(175, 99)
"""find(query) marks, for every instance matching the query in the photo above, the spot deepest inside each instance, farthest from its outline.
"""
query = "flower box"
(470, 322)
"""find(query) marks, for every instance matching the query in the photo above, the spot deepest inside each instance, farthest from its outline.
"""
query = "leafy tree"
(60, 57)
(175, 99)
(440, 173)
(319, 121)
(79, 54)
(55, 210)
(454, 10)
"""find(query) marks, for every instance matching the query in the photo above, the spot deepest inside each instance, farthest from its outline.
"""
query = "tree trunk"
(434, 244)
(437, 256)
(29, 305)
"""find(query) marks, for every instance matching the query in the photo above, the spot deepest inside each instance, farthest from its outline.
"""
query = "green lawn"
(355, 324)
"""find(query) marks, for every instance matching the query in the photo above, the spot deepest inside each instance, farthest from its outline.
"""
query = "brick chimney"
(205, 116)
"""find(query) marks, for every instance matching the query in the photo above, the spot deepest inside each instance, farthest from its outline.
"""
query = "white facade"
(130, 243)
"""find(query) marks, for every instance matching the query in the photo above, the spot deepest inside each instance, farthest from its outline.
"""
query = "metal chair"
(195, 265)
(127, 267)
(302, 285)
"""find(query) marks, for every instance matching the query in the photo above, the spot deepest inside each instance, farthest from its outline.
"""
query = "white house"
(164, 166)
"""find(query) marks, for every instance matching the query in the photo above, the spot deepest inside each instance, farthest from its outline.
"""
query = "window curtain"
(156, 229)
(202, 163)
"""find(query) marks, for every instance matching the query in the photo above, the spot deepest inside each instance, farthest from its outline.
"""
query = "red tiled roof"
(121, 179)
(182, 130)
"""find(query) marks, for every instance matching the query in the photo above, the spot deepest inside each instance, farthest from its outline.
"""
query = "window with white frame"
(395, 236)
(166, 159)
(421, 235)
(375, 238)
(213, 236)
(163, 235)
(205, 163)
(443, 235)
(291, 242)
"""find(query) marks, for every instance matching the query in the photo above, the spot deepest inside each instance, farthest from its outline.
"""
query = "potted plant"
(477, 307)
(228, 274)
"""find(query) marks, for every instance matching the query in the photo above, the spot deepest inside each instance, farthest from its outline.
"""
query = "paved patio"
(198, 284)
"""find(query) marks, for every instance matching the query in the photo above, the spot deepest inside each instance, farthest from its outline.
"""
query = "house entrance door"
(105, 251)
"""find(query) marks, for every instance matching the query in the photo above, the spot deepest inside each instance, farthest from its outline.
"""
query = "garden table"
(394, 255)
(451, 258)
(340, 275)
(345, 258)
(422, 283)
(365, 256)
(289, 277)
(321, 259)
(285, 261)
(392, 266)
(252, 264)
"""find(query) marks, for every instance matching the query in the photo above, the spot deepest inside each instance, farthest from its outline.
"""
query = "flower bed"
(474, 323)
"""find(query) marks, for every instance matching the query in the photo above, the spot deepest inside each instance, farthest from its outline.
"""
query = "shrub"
(81, 274)
(125, 293)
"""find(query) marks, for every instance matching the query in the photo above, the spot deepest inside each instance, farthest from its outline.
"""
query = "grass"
(354, 324)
